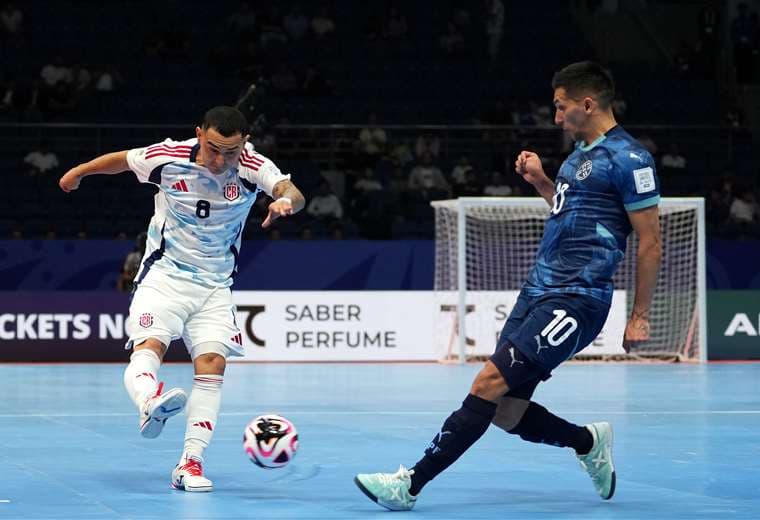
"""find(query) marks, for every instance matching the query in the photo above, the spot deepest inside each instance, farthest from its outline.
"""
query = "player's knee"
(509, 413)
(489, 383)
(210, 363)
(152, 344)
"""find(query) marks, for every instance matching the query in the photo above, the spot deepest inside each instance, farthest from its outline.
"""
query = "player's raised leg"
(143, 387)
(398, 491)
(202, 412)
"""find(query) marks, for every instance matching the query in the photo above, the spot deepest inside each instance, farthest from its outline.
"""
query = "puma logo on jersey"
(634, 156)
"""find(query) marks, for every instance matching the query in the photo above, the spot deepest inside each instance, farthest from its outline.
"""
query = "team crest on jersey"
(583, 171)
(146, 320)
(231, 191)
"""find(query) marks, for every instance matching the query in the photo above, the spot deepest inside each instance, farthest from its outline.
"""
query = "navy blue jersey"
(585, 235)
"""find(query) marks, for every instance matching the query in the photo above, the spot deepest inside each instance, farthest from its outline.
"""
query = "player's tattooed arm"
(646, 223)
(288, 190)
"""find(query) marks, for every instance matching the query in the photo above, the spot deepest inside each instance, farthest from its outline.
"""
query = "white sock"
(141, 375)
(202, 411)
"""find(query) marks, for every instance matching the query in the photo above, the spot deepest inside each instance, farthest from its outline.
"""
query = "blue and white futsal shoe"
(158, 408)
(598, 461)
(390, 490)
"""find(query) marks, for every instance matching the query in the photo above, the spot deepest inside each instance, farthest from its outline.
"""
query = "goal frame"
(463, 203)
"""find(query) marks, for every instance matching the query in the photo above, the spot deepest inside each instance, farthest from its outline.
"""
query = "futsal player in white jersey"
(206, 187)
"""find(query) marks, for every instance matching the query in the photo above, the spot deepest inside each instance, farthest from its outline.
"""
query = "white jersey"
(196, 229)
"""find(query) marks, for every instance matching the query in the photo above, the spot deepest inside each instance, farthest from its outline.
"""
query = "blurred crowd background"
(375, 107)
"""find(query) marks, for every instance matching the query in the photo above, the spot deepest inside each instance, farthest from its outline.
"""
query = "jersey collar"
(194, 152)
(597, 141)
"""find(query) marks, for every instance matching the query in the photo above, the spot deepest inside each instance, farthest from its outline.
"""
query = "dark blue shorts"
(542, 332)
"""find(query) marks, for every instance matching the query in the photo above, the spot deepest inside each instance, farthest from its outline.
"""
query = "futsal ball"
(271, 441)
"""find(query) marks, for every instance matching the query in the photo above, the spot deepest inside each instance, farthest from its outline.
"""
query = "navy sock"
(458, 433)
(540, 425)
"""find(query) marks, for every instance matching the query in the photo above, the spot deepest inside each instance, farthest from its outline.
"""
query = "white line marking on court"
(390, 412)
(5, 501)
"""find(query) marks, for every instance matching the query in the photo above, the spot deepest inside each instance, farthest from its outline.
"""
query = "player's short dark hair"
(586, 78)
(228, 121)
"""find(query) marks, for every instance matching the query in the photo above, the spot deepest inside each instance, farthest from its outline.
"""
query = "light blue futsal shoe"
(598, 462)
(390, 490)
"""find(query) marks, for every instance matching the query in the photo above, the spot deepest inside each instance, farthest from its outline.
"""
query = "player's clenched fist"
(528, 164)
(70, 181)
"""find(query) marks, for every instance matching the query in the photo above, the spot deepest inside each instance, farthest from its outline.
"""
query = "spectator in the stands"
(744, 208)
(131, 265)
(271, 30)
(108, 79)
(323, 24)
(372, 141)
(368, 182)
(471, 187)
(427, 143)
(325, 206)
(55, 72)
(459, 172)
(12, 22)
(427, 180)
(494, 27)
(80, 78)
(497, 187)
(673, 159)
(42, 160)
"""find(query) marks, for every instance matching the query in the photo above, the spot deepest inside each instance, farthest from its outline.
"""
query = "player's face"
(219, 153)
(571, 114)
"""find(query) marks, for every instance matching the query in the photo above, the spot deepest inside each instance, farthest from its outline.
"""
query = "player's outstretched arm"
(528, 165)
(646, 223)
(287, 200)
(109, 164)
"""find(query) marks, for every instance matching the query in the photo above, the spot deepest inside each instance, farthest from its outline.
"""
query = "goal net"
(485, 247)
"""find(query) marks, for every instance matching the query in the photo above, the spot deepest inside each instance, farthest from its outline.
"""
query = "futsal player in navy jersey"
(606, 188)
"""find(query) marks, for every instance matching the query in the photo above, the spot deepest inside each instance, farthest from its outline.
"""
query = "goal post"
(486, 246)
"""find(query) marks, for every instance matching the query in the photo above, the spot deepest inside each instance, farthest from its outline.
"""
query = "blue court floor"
(687, 444)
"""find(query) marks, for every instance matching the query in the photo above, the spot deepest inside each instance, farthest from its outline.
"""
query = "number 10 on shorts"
(560, 328)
